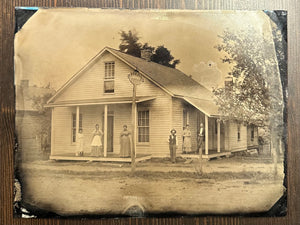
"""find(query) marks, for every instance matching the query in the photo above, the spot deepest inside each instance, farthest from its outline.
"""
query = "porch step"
(99, 159)
(207, 157)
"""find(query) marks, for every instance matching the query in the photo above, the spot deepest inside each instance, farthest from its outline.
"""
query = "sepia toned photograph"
(150, 113)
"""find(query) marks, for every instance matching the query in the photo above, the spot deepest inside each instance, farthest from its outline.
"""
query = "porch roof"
(208, 107)
(100, 101)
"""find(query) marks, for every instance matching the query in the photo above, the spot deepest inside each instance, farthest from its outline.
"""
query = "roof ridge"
(166, 67)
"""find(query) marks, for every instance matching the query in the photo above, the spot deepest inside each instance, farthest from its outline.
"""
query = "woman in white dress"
(96, 141)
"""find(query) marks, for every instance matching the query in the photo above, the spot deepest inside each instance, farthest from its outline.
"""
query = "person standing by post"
(79, 143)
(173, 144)
(125, 142)
(187, 142)
(200, 139)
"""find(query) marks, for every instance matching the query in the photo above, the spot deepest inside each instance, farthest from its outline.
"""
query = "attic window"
(109, 78)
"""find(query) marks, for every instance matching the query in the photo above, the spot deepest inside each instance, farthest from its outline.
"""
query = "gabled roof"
(171, 80)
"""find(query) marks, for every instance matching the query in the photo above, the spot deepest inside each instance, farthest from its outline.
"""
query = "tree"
(38, 103)
(255, 95)
(129, 43)
(146, 46)
(163, 56)
(248, 98)
(245, 101)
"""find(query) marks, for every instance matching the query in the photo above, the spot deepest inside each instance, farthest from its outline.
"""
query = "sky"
(55, 43)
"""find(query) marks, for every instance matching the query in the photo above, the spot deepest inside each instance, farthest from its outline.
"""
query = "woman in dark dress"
(125, 142)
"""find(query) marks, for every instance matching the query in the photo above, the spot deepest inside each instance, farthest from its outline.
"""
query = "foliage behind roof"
(25, 96)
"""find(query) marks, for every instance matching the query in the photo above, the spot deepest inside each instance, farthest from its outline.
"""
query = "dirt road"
(109, 191)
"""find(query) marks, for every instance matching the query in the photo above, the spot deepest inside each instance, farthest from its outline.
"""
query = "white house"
(101, 93)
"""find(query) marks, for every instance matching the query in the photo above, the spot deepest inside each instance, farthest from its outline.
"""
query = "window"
(143, 126)
(74, 125)
(239, 132)
(252, 133)
(216, 126)
(109, 78)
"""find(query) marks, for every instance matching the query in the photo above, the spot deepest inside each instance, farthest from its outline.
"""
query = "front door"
(110, 133)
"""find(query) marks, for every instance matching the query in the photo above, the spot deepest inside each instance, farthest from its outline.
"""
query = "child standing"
(79, 142)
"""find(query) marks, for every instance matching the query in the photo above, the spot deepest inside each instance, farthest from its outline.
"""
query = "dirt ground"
(230, 185)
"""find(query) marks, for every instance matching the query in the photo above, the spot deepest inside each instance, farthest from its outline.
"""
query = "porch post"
(219, 135)
(105, 131)
(77, 121)
(52, 131)
(135, 129)
(206, 135)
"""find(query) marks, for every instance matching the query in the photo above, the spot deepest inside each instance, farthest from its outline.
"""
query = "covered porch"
(211, 136)
(213, 154)
(111, 114)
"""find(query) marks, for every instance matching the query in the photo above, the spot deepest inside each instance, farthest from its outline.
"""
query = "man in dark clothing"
(173, 144)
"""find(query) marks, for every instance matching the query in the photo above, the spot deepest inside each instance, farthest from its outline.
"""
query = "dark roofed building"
(101, 93)
(32, 125)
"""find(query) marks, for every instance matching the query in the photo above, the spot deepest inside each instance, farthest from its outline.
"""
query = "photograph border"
(7, 127)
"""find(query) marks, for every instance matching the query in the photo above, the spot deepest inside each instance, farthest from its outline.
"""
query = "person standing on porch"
(173, 144)
(201, 138)
(187, 142)
(125, 143)
(79, 143)
(96, 142)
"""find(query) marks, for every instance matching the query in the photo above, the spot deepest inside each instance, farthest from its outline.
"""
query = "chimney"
(228, 82)
(146, 54)
(24, 83)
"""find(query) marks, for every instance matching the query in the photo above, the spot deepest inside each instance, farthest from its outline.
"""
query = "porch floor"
(111, 157)
(211, 154)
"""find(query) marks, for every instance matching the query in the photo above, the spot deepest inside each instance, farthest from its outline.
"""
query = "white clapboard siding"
(89, 84)
(177, 123)
(160, 124)
(62, 131)
(231, 136)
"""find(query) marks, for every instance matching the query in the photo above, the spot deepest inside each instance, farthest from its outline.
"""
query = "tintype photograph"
(150, 112)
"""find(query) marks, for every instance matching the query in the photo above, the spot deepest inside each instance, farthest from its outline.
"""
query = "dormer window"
(109, 78)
